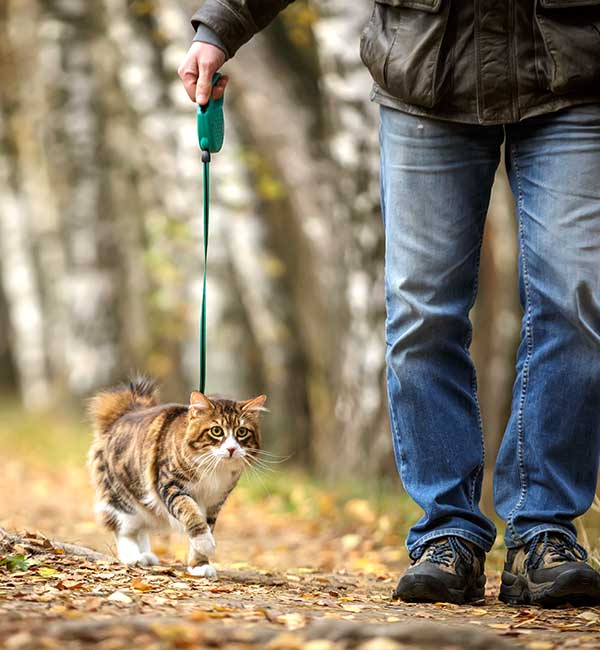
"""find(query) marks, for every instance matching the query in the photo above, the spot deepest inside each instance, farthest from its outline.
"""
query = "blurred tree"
(100, 225)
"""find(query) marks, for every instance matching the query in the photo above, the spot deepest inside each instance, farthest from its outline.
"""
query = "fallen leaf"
(47, 571)
(477, 611)
(120, 597)
(360, 509)
(285, 642)
(223, 608)
(352, 608)
(69, 584)
(293, 621)
(139, 585)
(15, 562)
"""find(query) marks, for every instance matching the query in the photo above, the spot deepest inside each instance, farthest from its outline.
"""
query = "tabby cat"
(155, 464)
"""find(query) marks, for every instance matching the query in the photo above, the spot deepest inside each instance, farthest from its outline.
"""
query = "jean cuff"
(455, 532)
(538, 530)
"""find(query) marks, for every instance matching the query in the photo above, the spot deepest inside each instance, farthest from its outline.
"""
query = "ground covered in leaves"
(300, 567)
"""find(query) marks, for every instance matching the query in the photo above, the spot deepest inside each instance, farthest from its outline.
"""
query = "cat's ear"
(254, 404)
(199, 401)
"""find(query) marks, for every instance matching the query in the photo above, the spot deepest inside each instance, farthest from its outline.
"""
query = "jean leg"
(547, 467)
(436, 180)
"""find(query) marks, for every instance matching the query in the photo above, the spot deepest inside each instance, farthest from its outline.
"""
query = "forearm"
(234, 22)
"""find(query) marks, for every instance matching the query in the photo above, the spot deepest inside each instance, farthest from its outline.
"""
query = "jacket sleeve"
(236, 21)
(205, 34)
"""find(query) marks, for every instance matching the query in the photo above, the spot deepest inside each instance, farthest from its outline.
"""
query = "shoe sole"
(569, 588)
(427, 589)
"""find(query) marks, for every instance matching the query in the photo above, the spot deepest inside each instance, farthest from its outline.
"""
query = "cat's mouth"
(230, 457)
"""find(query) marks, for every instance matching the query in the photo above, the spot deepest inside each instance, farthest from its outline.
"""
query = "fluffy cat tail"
(106, 407)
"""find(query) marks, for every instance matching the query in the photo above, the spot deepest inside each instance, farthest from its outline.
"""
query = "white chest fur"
(213, 489)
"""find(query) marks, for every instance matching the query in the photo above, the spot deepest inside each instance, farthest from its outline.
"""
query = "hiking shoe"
(550, 570)
(447, 569)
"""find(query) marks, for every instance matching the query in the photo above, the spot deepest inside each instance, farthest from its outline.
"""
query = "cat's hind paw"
(204, 544)
(140, 559)
(203, 571)
(148, 559)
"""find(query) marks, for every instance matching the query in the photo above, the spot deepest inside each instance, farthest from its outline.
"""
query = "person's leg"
(551, 446)
(436, 179)
(547, 468)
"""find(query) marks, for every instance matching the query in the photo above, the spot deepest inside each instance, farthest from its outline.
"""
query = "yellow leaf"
(140, 585)
(223, 608)
(46, 571)
(350, 542)
(360, 509)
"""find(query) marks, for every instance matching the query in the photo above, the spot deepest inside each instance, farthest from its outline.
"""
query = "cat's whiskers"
(265, 468)
(257, 474)
(270, 457)
(206, 465)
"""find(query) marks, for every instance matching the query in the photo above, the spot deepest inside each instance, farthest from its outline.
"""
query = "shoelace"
(443, 552)
(559, 548)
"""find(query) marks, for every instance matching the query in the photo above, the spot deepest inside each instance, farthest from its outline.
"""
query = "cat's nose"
(231, 451)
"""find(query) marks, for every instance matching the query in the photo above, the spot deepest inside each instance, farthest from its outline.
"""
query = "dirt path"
(313, 578)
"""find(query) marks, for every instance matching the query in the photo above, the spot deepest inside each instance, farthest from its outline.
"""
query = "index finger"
(190, 80)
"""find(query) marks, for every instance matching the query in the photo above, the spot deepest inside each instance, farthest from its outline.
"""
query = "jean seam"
(396, 437)
(525, 371)
(474, 375)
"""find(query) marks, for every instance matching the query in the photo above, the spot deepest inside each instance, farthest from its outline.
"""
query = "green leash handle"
(210, 122)
(211, 131)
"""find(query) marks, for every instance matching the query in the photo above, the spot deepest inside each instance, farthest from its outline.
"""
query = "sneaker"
(550, 570)
(447, 569)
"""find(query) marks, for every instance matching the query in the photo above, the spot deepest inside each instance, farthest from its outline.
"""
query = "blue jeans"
(436, 179)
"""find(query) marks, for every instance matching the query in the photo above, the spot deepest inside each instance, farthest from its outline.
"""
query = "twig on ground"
(36, 543)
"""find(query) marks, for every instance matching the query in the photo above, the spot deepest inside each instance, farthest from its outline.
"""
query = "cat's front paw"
(203, 571)
(204, 544)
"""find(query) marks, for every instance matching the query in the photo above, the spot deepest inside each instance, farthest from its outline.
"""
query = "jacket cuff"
(205, 34)
(231, 28)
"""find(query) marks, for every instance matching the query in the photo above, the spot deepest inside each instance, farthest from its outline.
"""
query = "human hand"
(197, 69)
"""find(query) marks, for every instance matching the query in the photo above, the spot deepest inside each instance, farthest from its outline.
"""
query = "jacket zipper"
(512, 62)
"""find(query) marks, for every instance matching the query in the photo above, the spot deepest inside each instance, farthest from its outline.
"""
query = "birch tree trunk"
(100, 223)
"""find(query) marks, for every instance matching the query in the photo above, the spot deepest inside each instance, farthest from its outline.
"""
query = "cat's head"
(223, 430)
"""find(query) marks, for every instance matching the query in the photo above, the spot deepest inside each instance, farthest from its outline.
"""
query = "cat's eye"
(216, 432)
(242, 433)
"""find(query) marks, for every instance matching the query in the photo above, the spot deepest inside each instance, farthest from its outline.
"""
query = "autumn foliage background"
(100, 239)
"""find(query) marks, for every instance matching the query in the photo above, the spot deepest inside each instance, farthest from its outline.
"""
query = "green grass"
(53, 437)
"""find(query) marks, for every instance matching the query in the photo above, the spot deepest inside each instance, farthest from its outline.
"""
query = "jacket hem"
(550, 106)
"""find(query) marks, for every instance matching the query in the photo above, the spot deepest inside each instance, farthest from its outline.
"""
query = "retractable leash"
(211, 130)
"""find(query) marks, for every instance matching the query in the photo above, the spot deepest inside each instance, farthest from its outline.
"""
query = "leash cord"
(206, 194)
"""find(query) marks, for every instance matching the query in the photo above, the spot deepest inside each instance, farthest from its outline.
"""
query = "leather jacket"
(478, 61)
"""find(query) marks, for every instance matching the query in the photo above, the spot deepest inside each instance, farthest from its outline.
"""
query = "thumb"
(204, 85)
